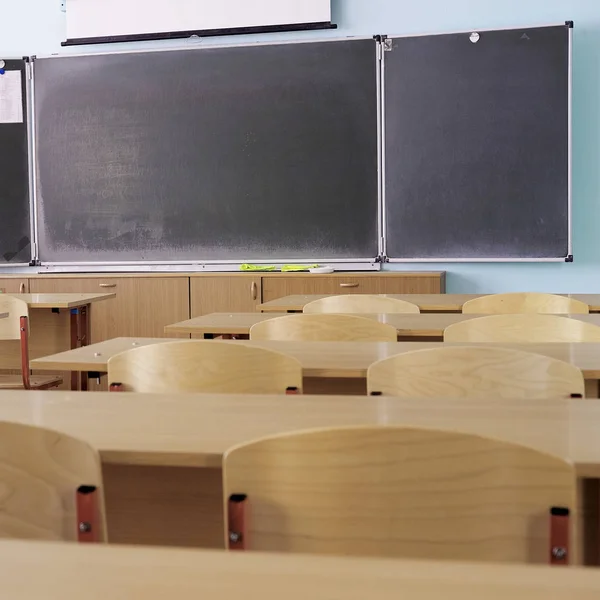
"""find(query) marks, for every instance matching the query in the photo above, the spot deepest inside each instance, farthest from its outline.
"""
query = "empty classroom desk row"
(436, 303)
(327, 367)
(56, 571)
(404, 327)
(162, 454)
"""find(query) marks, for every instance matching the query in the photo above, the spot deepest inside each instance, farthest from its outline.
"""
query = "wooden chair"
(393, 491)
(526, 302)
(14, 325)
(360, 303)
(204, 366)
(51, 486)
(323, 328)
(520, 329)
(467, 371)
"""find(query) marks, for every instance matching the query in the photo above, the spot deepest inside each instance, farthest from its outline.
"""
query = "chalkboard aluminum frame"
(372, 263)
(29, 121)
(569, 257)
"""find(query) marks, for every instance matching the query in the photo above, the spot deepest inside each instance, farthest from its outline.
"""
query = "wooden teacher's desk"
(57, 322)
(162, 453)
(428, 327)
(329, 367)
(32, 570)
(426, 302)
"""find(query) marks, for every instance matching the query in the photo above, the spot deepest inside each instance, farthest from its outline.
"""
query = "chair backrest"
(393, 491)
(519, 329)
(11, 311)
(323, 328)
(40, 473)
(467, 371)
(360, 303)
(204, 366)
(525, 302)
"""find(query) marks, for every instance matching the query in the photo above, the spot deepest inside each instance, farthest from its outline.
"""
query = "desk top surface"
(196, 429)
(318, 359)
(61, 300)
(408, 325)
(426, 302)
(33, 570)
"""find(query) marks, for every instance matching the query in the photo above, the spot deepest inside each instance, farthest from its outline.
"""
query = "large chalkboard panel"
(239, 153)
(15, 227)
(477, 139)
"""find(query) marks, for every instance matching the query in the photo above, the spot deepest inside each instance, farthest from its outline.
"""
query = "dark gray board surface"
(15, 227)
(240, 153)
(477, 138)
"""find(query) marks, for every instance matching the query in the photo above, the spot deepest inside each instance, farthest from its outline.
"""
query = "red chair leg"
(88, 530)
(559, 536)
(25, 353)
(236, 520)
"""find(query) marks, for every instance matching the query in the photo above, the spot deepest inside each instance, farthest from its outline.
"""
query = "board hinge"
(388, 44)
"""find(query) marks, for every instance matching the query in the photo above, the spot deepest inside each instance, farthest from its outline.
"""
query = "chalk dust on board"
(11, 97)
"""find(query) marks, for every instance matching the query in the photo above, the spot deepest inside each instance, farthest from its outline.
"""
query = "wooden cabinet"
(14, 285)
(238, 293)
(278, 286)
(142, 308)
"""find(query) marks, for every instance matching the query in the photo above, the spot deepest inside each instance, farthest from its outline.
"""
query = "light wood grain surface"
(204, 366)
(196, 429)
(66, 572)
(430, 325)
(61, 300)
(40, 471)
(426, 302)
(319, 359)
(463, 371)
(323, 328)
(525, 302)
(522, 329)
(397, 491)
(360, 303)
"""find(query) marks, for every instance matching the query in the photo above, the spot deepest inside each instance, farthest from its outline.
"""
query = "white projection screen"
(90, 21)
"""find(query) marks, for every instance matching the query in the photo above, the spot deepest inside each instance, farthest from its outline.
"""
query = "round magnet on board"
(2, 64)
(474, 37)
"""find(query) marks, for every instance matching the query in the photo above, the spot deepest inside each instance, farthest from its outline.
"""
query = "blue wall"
(38, 27)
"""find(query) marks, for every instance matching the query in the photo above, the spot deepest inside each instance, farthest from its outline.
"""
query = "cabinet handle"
(108, 285)
(348, 285)
(254, 290)
(22, 288)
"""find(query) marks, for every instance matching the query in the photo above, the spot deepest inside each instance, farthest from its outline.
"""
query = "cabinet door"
(404, 283)
(14, 285)
(142, 308)
(224, 294)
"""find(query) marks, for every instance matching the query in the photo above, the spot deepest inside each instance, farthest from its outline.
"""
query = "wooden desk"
(329, 367)
(426, 302)
(33, 570)
(162, 454)
(57, 322)
(411, 327)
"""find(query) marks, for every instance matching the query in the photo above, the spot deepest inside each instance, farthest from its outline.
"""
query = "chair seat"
(38, 382)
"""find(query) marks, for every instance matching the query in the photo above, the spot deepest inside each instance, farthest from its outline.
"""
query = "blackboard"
(240, 153)
(15, 226)
(477, 145)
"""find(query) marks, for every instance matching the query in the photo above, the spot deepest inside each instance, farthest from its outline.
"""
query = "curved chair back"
(323, 328)
(360, 303)
(40, 473)
(525, 302)
(520, 329)
(468, 371)
(394, 491)
(204, 366)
